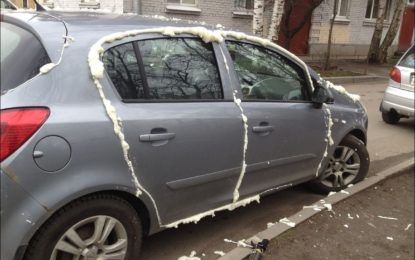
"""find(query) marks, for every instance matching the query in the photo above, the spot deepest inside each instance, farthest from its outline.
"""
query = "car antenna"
(39, 7)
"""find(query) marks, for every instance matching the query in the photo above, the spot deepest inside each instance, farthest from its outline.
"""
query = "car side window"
(122, 67)
(266, 75)
(164, 69)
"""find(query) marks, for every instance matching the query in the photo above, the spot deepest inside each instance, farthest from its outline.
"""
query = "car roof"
(81, 22)
(88, 27)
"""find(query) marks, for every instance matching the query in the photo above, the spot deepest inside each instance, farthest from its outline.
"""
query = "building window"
(372, 9)
(342, 8)
(89, 4)
(182, 2)
(244, 4)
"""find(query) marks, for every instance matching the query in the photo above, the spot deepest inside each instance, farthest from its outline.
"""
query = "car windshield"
(22, 55)
(409, 59)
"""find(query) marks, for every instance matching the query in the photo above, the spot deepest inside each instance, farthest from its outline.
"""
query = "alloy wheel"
(342, 169)
(95, 238)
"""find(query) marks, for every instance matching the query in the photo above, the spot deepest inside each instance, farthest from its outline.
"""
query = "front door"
(286, 133)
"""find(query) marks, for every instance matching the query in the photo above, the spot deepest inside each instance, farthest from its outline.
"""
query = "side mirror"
(321, 95)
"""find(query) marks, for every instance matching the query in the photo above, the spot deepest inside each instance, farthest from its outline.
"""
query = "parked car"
(398, 101)
(134, 125)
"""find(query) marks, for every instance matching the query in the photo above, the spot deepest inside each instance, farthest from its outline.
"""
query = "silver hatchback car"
(115, 127)
(398, 101)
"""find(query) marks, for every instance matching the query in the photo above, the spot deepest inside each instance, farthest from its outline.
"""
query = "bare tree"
(277, 12)
(327, 62)
(393, 29)
(258, 23)
(373, 54)
(289, 30)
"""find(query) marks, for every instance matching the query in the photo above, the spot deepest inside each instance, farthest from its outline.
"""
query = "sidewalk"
(346, 222)
(369, 72)
(381, 70)
(377, 223)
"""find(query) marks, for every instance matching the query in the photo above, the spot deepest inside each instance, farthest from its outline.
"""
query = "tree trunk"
(277, 13)
(327, 62)
(258, 23)
(373, 54)
(393, 29)
(290, 30)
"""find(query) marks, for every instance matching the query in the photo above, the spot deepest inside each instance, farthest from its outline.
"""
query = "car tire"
(349, 164)
(391, 117)
(100, 224)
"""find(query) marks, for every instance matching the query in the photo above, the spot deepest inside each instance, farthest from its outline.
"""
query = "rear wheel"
(348, 164)
(391, 117)
(94, 227)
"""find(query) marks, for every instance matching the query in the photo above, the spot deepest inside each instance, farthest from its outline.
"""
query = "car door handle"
(262, 129)
(157, 137)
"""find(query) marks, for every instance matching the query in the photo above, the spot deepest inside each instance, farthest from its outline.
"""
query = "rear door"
(286, 133)
(183, 129)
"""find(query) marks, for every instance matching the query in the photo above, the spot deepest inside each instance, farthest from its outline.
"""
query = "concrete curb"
(306, 213)
(355, 79)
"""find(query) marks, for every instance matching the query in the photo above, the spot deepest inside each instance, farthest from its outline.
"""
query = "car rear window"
(22, 55)
(164, 69)
(409, 59)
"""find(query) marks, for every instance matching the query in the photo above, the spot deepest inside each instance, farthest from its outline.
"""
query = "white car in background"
(398, 100)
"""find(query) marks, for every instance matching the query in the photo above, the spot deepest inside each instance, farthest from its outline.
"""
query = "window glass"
(184, 2)
(409, 59)
(369, 9)
(22, 55)
(189, 2)
(375, 10)
(372, 9)
(7, 5)
(342, 7)
(263, 74)
(169, 69)
(180, 68)
(122, 67)
(244, 4)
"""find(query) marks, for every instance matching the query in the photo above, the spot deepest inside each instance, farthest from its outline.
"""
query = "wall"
(19, 3)
(115, 6)
(212, 12)
(351, 36)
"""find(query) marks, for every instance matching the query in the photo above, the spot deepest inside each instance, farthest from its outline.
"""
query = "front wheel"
(349, 164)
(95, 227)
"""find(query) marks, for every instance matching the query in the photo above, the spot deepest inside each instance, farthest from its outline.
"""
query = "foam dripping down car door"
(286, 133)
(183, 129)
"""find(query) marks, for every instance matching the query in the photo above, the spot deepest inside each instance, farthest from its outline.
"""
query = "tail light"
(395, 74)
(17, 126)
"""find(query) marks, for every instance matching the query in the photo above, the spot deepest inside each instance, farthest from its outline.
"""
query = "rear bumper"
(20, 215)
(400, 100)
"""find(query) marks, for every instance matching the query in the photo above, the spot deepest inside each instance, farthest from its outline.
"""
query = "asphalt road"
(388, 144)
(383, 140)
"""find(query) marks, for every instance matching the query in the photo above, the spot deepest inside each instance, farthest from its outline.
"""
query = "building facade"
(353, 27)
